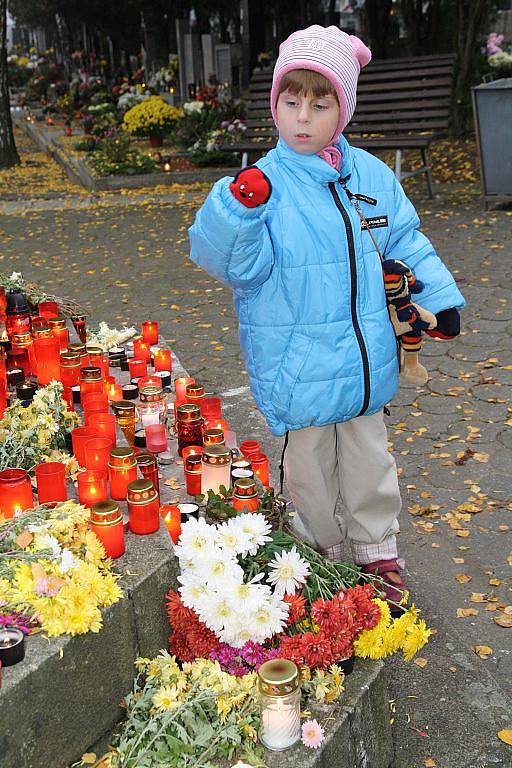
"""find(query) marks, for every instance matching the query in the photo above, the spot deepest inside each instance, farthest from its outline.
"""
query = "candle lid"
(93, 350)
(130, 391)
(121, 458)
(123, 408)
(77, 346)
(22, 339)
(278, 677)
(105, 513)
(146, 459)
(141, 491)
(245, 487)
(216, 454)
(90, 373)
(194, 390)
(188, 412)
(42, 333)
(69, 359)
(57, 322)
(151, 393)
(213, 437)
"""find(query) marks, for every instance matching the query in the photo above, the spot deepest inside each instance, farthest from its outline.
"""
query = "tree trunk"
(471, 17)
(377, 24)
(8, 152)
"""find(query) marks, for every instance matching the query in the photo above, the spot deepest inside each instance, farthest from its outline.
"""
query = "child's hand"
(251, 187)
(448, 324)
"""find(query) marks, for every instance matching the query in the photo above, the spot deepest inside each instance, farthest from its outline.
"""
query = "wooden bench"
(401, 104)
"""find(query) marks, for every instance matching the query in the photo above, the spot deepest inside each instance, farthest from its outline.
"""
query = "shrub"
(152, 117)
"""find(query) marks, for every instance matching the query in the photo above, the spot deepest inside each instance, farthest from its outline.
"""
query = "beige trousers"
(350, 460)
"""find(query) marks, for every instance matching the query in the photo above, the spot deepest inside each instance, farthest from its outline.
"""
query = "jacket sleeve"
(230, 241)
(410, 245)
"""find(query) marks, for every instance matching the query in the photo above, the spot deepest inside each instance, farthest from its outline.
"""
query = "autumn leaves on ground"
(125, 257)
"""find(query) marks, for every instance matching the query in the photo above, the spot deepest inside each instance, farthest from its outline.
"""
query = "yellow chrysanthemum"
(166, 698)
(417, 637)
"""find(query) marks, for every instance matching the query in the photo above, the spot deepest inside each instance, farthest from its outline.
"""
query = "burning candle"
(18, 358)
(191, 450)
(248, 447)
(92, 486)
(189, 426)
(172, 518)
(91, 381)
(156, 438)
(149, 381)
(125, 415)
(105, 423)
(143, 507)
(97, 453)
(114, 391)
(12, 646)
(79, 437)
(24, 341)
(279, 694)
(17, 313)
(107, 524)
(192, 464)
(142, 350)
(51, 482)
(194, 393)
(245, 495)
(217, 424)
(47, 353)
(138, 367)
(79, 323)
(213, 437)
(210, 407)
(180, 385)
(48, 309)
(162, 360)
(216, 468)
(122, 470)
(260, 466)
(69, 368)
(59, 330)
(150, 332)
(148, 468)
(15, 492)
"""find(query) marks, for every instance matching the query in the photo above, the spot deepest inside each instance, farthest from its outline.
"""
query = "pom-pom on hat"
(332, 53)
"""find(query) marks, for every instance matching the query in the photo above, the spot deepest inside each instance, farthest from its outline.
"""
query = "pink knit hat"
(332, 53)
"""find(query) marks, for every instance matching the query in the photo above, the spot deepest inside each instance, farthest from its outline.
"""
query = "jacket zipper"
(353, 296)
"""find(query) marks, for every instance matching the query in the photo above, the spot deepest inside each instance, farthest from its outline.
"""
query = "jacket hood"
(308, 168)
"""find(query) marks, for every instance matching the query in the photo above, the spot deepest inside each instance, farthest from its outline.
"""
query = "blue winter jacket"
(313, 322)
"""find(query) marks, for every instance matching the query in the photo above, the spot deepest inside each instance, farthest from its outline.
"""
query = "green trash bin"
(492, 109)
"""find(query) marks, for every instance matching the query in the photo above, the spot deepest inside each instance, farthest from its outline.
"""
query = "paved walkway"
(126, 259)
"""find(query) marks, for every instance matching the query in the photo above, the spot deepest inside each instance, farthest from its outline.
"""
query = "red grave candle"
(91, 380)
(192, 464)
(15, 492)
(143, 507)
(137, 367)
(259, 464)
(92, 486)
(156, 438)
(114, 391)
(210, 407)
(150, 332)
(47, 352)
(180, 385)
(67, 395)
(221, 424)
(79, 437)
(97, 453)
(59, 330)
(3, 397)
(107, 524)
(171, 516)
(105, 423)
(249, 447)
(122, 470)
(141, 350)
(162, 360)
(48, 309)
(51, 482)
(69, 368)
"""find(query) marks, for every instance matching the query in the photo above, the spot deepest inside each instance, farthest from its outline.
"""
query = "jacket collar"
(311, 168)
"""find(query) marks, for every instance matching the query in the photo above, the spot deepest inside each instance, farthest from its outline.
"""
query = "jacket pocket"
(294, 358)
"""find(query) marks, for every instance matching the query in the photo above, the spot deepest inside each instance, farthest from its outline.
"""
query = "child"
(314, 326)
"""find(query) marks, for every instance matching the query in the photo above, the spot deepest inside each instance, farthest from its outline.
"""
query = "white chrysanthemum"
(232, 538)
(248, 596)
(216, 611)
(256, 525)
(192, 589)
(268, 620)
(68, 561)
(237, 632)
(287, 571)
(47, 541)
(196, 537)
(218, 570)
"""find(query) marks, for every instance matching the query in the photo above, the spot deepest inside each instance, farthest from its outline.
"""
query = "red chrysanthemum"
(179, 647)
(297, 603)
(316, 649)
(291, 648)
(177, 612)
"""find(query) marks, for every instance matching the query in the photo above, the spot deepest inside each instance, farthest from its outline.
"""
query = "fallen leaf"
(509, 559)
(453, 669)
(463, 533)
(422, 663)
(483, 458)
(505, 735)
(463, 613)
(88, 758)
(462, 578)
(483, 651)
(477, 597)
(494, 582)
(23, 539)
(429, 763)
(458, 560)
(503, 620)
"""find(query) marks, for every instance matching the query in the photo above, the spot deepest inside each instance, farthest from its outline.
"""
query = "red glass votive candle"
(122, 470)
(141, 350)
(162, 360)
(94, 409)
(97, 453)
(260, 467)
(107, 524)
(180, 385)
(192, 464)
(92, 486)
(79, 323)
(69, 368)
(51, 482)
(114, 391)
(171, 516)
(191, 450)
(3, 397)
(67, 395)
(79, 437)
(194, 393)
(48, 309)
(221, 424)
(213, 437)
(245, 495)
(15, 492)
(105, 423)
(137, 367)
(150, 332)
(59, 330)
(148, 467)
(210, 407)
(47, 352)
(91, 381)
(93, 400)
(18, 358)
(146, 381)
(143, 507)
(156, 438)
(248, 447)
